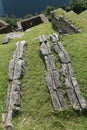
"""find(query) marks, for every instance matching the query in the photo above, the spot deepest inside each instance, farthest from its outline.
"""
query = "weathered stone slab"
(6, 40)
(73, 91)
(11, 69)
(8, 124)
(56, 79)
(55, 95)
(53, 38)
(44, 48)
(66, 55)
(66, 70)
(16, 71)
(57, 37)
(79, 94)
(73, 99)
(16, 96)
(50, 62)
(19, 69)
(13, 35)
(61, 98)
(54, 87)
(52, 77)
(47, 62)
(20, 49)
(44, 38)
(62, 57)
(58, 47)
(55, 101)
(13, 98)
(81, 100)
(71, 94)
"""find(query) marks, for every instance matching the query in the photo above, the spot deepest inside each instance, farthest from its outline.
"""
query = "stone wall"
(30, 22)
(4, 27)
(63, 26)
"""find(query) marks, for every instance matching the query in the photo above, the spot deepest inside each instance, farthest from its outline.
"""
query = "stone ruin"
(4, 27)
(63, 25)
(30, 22)
(23, 24)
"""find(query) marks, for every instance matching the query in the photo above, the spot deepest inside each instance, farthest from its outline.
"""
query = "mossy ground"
(37, 112)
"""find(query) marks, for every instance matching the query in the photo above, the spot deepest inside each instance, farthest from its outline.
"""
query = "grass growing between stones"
(36, 111)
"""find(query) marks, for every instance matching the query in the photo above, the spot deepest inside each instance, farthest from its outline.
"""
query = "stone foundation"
(63, 26)
(4, 27)
(30, 22)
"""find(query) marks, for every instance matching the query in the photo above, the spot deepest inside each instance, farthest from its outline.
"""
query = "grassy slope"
(84, 14)
(37, 112)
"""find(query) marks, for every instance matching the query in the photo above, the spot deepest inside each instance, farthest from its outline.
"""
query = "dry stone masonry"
(16, 71)
(52, 77)
(4, 27)
(31, 22)
(62, 25)
(72, 87)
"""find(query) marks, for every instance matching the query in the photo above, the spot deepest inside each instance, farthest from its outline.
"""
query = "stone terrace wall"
(30, 22)
(63, 25)
(4, 27)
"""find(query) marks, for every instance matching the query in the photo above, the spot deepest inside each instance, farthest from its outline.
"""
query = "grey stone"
(63, 26)
(73, 91)
(6, 40)
(16, 71)
(52, 77)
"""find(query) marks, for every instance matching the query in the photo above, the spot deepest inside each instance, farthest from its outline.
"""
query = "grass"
(37, 112)
(84, 14)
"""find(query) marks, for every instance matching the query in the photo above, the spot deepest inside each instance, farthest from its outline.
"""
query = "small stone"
(6, 40)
